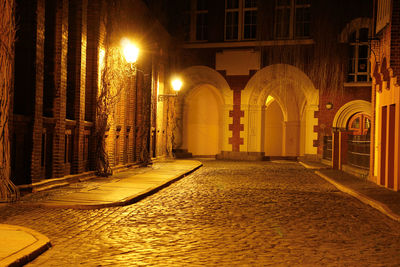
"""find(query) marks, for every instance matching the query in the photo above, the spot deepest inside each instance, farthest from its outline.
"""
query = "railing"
(358, 152)
(327, 148)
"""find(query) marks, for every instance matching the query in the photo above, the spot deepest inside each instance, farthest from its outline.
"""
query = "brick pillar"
(237, 83)
(236, 127)
(138, 114)
(61, 48)
(339, 147)
(128, 154)
(121, 122)
(130, 118)
(78, 39)
(38, 113)
(92, 73)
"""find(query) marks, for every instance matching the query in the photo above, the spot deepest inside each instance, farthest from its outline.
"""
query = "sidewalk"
(378, 197)
(19, 245)
(120, 189)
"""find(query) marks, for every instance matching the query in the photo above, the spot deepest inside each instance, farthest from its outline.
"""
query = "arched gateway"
(202, 110)
(296, 100)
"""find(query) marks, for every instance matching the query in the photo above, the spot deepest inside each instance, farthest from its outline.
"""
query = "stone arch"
(259, 86)
(195, 78)
(197, 75)
(343, 115)
(298, 100)
(353, 25)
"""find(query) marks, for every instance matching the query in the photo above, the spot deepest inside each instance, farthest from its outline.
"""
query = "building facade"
(385, 63)
(77, 104)
(275, 78)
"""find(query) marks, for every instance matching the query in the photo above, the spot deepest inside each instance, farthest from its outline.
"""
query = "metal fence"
(358, 151)
(327, 149)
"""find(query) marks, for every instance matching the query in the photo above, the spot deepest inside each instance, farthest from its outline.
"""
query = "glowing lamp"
(176, 84)
(131, 51)
(329, 106)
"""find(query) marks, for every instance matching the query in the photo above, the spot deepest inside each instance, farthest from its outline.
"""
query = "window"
(359, 67)
(201, 20)
(196, 20)
(292, 19)
(240, 20)
(360, 124)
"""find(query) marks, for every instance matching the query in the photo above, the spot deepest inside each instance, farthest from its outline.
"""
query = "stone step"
(182, 153)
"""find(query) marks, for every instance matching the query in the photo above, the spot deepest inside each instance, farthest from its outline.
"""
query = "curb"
(52, 183)
(307, 166)
(363, 198)
(28, 253)
(124, 202)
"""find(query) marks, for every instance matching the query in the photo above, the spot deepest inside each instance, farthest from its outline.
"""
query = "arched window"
(359, 67)
(360, 124)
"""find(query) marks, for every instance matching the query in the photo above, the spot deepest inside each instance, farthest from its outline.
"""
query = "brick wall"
(36, 168)
(69, 36)
(395, 39)
(59, 111)
(325, 116)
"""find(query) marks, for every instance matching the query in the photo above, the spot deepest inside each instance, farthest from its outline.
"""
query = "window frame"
(355, 61)
(363, 120)
(193, 16)
(293, 8)
(241, 10)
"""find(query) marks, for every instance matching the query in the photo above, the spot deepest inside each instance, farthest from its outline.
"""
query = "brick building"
(385, 63)
(275, 78)
(67, 53)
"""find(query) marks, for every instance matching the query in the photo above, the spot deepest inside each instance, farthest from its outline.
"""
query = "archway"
(353, 122)
(273, 128)
(298, 100)
(201, 112)
(202, 121)
(348, 110)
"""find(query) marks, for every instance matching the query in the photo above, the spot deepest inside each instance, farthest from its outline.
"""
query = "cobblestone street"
(226, 213)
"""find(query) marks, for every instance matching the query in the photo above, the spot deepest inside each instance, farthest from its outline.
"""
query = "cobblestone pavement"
(226, 213)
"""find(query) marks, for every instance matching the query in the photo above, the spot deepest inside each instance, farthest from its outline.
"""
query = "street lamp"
(176, 86)
(131, 51)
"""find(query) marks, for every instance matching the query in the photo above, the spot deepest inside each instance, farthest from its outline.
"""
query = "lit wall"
(273, 130)
(201, 132)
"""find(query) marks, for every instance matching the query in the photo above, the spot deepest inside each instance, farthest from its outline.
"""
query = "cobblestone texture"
(226, 213)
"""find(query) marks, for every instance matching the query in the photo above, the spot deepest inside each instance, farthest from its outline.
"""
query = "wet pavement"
(226, 213)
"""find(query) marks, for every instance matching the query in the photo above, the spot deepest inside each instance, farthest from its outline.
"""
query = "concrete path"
(378, 197)
(19, 245)
(123, 188)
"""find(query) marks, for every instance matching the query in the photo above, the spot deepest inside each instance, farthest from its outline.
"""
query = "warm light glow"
(102, 54)
(131, 51)
(176, 84)
(269, 100)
